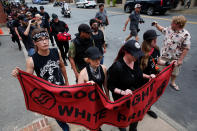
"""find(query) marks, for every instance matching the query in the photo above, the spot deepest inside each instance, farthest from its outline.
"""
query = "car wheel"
(84, 6)
(150, 11)
(162, 12)
(94, 6)
(128, 9)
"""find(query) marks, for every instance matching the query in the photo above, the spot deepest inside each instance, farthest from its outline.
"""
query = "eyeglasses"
(42, 40)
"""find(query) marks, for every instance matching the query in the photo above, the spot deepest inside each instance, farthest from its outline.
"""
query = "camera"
(153, 23)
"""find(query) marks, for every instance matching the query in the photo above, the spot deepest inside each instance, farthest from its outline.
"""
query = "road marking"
(159, 18)
(154, 17)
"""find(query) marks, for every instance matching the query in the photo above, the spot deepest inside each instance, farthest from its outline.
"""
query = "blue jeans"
(31, 51)
(64, 126)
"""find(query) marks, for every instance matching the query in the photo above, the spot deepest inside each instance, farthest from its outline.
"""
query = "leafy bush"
(108, 2)
(114, 2)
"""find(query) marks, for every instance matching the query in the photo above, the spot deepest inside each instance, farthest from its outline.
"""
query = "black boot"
(152, 114)
(99, 129)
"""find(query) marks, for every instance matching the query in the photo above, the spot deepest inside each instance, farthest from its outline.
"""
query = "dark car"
(149, 6)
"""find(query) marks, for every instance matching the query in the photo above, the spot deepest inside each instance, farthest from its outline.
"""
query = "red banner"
(87, 105)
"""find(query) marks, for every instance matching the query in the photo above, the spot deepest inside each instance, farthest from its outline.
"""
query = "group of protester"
(134, 65)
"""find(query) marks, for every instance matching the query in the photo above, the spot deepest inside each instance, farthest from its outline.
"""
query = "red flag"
(87, 105)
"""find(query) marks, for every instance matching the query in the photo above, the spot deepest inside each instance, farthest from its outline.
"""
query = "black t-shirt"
(152, 61)
(45, 18)
(99, 40)
(134, 20)
(121, 76)
(27, 40)
(44, 25)
(48, 68)
(16, 23)
(60, 26)
(10, 25)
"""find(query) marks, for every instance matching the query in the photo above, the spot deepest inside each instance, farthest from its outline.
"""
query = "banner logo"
(43, 97)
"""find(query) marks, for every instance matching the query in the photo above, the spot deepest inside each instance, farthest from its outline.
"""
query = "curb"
(168, 120)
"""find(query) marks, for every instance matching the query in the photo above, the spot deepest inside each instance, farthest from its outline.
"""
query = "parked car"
(40, 1)
(16, 1)
(85, 3)
(149, 6)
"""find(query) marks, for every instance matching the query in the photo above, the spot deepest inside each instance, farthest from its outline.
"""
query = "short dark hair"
(92, 21)
(84, 28)
(101, 5)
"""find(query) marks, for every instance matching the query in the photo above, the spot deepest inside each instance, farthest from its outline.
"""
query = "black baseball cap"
(41, 7)
(134, 48)
(54, 16)
(150, 34)
(93, 53)
(84, 28)
(21, 17)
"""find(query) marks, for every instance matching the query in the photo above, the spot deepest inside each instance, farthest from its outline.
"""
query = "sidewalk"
(162, 123)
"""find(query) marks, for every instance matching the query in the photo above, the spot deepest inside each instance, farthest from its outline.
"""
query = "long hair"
(146, 48)
(121, 54)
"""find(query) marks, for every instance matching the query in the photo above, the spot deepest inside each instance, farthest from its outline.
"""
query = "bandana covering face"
(39, 35)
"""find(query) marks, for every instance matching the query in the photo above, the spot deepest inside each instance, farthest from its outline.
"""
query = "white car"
(85, 3)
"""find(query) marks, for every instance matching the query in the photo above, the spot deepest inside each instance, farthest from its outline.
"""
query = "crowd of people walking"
(136, 63)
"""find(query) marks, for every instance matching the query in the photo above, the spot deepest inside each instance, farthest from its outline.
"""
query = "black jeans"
(16, 39)
(63, 47)
(50, 35)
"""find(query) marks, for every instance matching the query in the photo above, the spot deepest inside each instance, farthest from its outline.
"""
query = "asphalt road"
(180, 106)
